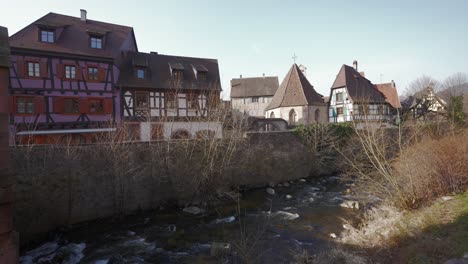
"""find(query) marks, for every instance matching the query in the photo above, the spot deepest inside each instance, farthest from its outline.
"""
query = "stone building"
(250, 96)
(296, 101)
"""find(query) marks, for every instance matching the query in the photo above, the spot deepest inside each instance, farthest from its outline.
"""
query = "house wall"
(168, 128)
(247, 106)
(305, 115)
(353, 111)
(49, 87)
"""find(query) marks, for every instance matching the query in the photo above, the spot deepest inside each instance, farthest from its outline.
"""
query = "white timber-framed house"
(353, 98)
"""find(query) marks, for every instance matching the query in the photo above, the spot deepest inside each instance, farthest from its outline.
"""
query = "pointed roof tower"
(295, 90)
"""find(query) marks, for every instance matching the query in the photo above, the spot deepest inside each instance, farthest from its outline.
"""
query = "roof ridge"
(92, 20)
(301, 84)
(286, 86)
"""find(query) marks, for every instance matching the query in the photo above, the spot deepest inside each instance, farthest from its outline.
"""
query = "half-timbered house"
(170, 96)
(353, 98)
(62, 78)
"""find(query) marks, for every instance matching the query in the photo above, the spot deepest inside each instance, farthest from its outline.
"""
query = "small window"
(254, 99)
(47, 36)
(193, 101)
(339, 110)
(339, 97)
(96, 42)
(96, 106)
(71, 105)
(380, 109)
(70, 72)
(25, 105)
(140, 73)
(202, 76)
(33, 69)
(177, 75)
(171, 101)
(141, 100)
(93, 73)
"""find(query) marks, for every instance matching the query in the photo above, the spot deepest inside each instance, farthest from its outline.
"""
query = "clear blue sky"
(392, 40)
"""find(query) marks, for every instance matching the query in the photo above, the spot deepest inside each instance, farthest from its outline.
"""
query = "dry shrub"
(332, 256)
(432, 168)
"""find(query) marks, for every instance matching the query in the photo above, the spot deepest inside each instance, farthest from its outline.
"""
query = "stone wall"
(59, 186)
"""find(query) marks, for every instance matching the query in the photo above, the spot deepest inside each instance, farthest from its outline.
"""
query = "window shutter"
(20, 69)
(79, 73)
(102, 74)
(108, 105)
(83, 106)
(12, 104)
(60, 71)
(39, 105)
(58, 105)
(43, 69)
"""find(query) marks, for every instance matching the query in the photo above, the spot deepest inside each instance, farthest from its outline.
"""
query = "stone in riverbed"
(302, 180)
(447, 198)
(289, 197)
(220, 248)
(350, 204)
(286, 184)
(193, 210)
(270, 191)
(311, 200)
(456, 261)
(333, 235)
(271, 184)
(347, 226)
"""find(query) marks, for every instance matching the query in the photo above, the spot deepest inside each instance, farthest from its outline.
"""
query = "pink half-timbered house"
(62, 79)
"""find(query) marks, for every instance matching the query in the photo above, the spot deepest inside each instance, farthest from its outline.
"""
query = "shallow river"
(262, 227)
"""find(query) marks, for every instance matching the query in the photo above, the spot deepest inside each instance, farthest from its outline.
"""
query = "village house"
(62, 75)
(353, 98)
(296, 101)
(170, 96)
(250, 96)
(427, 105)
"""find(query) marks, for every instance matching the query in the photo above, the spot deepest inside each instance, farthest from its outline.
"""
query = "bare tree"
(455, 85)
(422, 83)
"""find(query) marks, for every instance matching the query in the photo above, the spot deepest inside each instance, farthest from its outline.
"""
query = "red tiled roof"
(72, 36)
(391, 94)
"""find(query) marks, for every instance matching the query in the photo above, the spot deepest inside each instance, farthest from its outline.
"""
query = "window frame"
(47, 30)
(138, 70)
(177, 75)
(95, 74)
(171, 99)
(193, 101)
(96, 39)
(341, 95)
(338, 111)
(29, 101)
(64, 112)
(255, 99)
(139, 94)
(90, 100)
(65, 71)
(36, 69)
(202, 76)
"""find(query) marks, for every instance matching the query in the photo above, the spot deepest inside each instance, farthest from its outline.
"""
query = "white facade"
(343, 109)
(169, 128)
(300, 115)
(252, 106)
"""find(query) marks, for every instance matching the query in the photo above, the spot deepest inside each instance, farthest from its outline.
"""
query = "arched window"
(292, 117)
(272, 115)
(317, 115)
(180, 134)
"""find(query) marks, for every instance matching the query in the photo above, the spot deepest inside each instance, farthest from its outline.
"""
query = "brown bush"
(432, 168)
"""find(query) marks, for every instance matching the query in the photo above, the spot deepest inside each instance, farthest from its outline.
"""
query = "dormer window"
(96, 42)
(140, 73)
(202, 76)
(177, 75)
(47, 35)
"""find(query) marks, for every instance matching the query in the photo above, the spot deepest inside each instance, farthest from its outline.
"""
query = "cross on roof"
(294, 57)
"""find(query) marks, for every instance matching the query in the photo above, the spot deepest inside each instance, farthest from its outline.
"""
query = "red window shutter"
(58, 105)
(83, 106)
(79, 73)
(102, 74)
(12, 104)
(108, 105)
(60, 71)
(43, 69)
(20, 68)
(39, 105)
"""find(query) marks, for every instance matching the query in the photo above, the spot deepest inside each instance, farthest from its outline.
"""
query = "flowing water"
(263, 227)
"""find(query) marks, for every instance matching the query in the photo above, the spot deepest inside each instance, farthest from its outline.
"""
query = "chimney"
(355, 64)
(363, 74)
(393, 84)
(83, 15)
(263, 75)
(241, 76)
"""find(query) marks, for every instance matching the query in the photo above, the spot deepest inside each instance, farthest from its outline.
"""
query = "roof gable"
(390, 92)
(295, 90)
(72, 36)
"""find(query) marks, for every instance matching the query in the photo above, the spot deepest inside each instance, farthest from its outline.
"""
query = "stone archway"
(180, 134)
(272, 114)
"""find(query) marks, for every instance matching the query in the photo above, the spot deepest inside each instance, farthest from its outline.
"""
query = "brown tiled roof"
(295, 90)
(72, 36)
(256, 86)
(158, 72)
(359, 88)
(391, 94)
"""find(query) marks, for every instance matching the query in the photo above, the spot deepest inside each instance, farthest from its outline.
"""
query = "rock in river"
(220, 248)
(289, 197)
(270, 191)
(193, 210)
